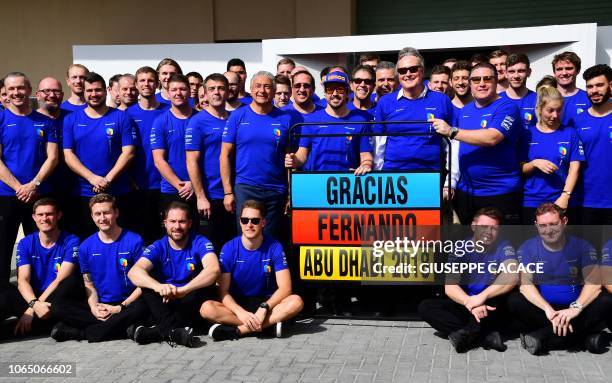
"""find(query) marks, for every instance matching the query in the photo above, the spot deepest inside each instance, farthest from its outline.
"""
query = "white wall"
(604, 45)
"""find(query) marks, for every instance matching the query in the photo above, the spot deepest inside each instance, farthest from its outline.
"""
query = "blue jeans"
(273, 200)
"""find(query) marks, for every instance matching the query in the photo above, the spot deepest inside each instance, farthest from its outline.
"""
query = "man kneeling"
(255, 284)
(183, 264)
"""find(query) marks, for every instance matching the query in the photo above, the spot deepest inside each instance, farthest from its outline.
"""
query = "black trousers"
(176, 313)
(146, 214)
(447, 316)
(531, 319)
(509, 205)
(83, 225)
(71, 307)
(221, 227)
(12, 213)
(593, 216)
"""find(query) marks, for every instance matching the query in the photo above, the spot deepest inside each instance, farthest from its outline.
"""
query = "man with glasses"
(233, 88)
(560, 305)
(413, 102)
(255, 283)
(362, 85)
(302, 95)
(488, 130)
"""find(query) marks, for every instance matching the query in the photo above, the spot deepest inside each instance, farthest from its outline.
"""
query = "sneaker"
(223, 332)
(182, 336)
(146, 335)
(279, 329)
(533, 344)
(61, 332)
(595, 343)
(129, 332)
(462, 340)
(494, 341)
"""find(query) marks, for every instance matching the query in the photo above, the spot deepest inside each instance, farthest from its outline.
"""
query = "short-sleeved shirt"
(560, 147)
(369, 113)
(261, 142)
(596, 181)
(247, 99)
(98, 143)
(203, 134)
(561, 279)
(606, 257)
(526, 105)
(62, 180)
(109, 264)
(252, 271)
(177, 267)
(335, 153)
(474, 283)
(573, 106)
(45, 263)
(69, 107)
(24, 146)
(168, 133)
(412, 152)
(145, 173)
(489, 171)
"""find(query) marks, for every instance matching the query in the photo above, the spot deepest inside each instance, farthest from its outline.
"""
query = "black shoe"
(494, 341)
(130, 331)
(595, 343)
(181, 336)
(462, 340)
(533, 344)
(223, 332)
(146, 335)
(61, 332)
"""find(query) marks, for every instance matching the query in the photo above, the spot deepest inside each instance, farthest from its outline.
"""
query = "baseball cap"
(336, 77)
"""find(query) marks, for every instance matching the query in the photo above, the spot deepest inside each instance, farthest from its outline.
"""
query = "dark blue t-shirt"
(71, 107)
(98, 142)
(574, 106)
(369, 113)
(595, 185)
(45, 263)
(62, 180)
(168, 133)
(260, 143)
(252, 271)
(24, 146)
(412, 152)
(335, 153)
(109, 264)
(177, 267)
(559, 147)
(489, 171)
(561, 279)
(526, 105)
(145, 173)
(203, 134)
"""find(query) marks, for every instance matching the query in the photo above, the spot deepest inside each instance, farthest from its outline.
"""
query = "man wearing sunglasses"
(560, 306)
(255, 283)
(302, 95)
(412, 102)
(488, 130)
(363, 81)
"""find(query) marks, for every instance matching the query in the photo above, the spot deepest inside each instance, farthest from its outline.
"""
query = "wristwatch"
(32, 302)
(265, 305)
(575, 305)
(453, 133)
(567, 192)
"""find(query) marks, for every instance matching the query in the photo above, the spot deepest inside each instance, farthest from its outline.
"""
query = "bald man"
(232, 103)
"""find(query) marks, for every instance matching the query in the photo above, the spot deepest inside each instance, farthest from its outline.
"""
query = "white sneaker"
(279, 330)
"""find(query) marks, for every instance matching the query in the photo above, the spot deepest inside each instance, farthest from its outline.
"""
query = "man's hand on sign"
(441, 127)
(448, 194)
(290, 161)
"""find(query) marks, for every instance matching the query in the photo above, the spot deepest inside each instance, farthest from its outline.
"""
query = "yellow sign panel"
(332, 263)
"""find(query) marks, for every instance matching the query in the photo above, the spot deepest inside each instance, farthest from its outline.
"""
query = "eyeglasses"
(339, 90)
(479, 79)
(554, 225)
(47, 92)
(411, 69)
(299, 85)
(246, 220)
(367, 81)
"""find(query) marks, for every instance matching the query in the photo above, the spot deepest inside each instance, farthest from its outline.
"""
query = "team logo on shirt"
(123, 262)
(277, 132)
(267, 269)
(40, 132)
(56, 267)
(349, 139)
(579, 110)
(190, 267)
(563, 150)
(430, 116)
(527, 117)
(483, 124)
(110, 132)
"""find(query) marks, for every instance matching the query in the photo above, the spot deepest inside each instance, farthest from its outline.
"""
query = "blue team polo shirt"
(24, 146)
(98, 142)
(203, 134)
(69, 107)
(261, 142)
(168, 133)
(561, 281)
(168, 103)
(109, 264)
(252, 271)
(45, 263)
(178, 267)
(489, 171)
(412, 152)
(526, 105)
(335, 153)
(144, 172)
(247, 99)
(560, 147)
(574, 106)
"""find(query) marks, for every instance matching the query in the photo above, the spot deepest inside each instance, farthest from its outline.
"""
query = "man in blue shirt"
(203, 146)
(109, 303)
(566, 67)
(44, 259)
(258, 134)
(475, 306)
(363, 80)
(75, 79)
(255, 283)
(386, 79)
(488, 130)
(174, 273)
(302, 92)
(237, 66)
(594, 127)
(28, 155)
(518, 71)
(166, 68)
(560, 304)
(233, 87)
(99, 144)
(145, 201)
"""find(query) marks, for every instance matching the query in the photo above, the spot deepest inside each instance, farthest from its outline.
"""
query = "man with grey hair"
(386, 79)
(257, 133)
(128, 94)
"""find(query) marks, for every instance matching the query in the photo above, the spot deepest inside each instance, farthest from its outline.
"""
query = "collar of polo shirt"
(400, 93)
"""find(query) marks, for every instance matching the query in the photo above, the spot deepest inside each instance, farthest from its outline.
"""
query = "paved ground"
(316, 351)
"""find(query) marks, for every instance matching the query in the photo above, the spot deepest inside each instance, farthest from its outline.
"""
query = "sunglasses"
(367, 81)
(246, 220)
(412, 69)
(479, 79)
(339, 90)
(299, 85)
